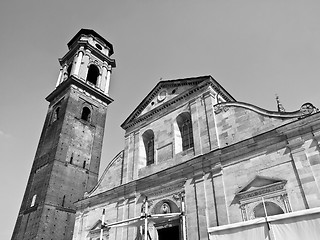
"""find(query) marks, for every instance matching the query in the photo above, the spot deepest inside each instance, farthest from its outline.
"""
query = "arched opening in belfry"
(86, 114)
(93, 74)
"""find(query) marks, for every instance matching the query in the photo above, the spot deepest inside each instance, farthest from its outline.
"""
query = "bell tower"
(67, 160)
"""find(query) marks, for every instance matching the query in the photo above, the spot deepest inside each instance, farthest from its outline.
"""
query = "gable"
(168, 92)
(259, 182)
(96, 226)
(164, 94)
(260, 186)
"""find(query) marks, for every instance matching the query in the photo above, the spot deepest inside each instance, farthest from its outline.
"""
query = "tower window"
(86, 114)
(148, 140)
(93, 74)
(98, 46)
(185, 127)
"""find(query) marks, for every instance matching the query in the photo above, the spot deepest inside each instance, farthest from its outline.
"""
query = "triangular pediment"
(171, 91)
(96, 226)
(261, 185)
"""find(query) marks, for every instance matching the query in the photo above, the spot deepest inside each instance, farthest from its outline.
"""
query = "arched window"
(148, 140)
(185, 127)
(270, 207)
(93, 74)
(86, 114)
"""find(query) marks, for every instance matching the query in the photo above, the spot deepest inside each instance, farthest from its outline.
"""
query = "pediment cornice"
(269, 186)
(197, 83)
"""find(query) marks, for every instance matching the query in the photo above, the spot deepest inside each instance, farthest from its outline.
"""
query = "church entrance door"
(169, 233)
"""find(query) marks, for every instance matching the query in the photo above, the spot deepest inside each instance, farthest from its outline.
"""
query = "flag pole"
(184, 232)
(102, 224)
(146, 219)
(264, 207)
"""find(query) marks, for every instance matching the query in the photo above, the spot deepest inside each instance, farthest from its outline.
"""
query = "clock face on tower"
(162, 95)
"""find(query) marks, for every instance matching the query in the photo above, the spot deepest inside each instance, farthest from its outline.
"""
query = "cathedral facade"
(196, 163)
(202, 163)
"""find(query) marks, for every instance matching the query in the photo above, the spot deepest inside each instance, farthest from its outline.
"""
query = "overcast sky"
(254, 49)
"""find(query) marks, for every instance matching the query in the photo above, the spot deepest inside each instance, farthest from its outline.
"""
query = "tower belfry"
(67, 160)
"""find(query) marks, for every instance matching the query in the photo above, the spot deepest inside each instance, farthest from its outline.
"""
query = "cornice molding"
(86, 46)
(72, 80)
(197, 83)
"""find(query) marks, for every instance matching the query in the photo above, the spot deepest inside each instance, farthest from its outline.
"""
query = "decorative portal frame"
(142, 222)
(262, 190)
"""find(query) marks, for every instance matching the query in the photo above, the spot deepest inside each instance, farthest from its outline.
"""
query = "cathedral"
(196, 163)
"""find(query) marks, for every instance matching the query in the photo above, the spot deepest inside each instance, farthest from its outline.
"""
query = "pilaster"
(209, 102)
(191, 210)
(221, 204)
(201, 206)
(302, 170)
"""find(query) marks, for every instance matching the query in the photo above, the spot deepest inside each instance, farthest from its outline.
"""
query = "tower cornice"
(72, 80)
(94, 51)
(93, 33)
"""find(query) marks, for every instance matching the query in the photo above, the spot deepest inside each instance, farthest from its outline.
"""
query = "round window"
(162, 95)
(98, 46)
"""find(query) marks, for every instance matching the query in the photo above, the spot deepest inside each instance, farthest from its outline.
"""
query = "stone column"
(108, 78)
(64, 73)
(59, 78)
(99, 80)
(78, 64)
(102, 85)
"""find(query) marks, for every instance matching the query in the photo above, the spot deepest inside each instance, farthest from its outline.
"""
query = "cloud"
(5, 135)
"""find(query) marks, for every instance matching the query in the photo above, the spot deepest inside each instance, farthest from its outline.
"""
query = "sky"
(253, 48)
